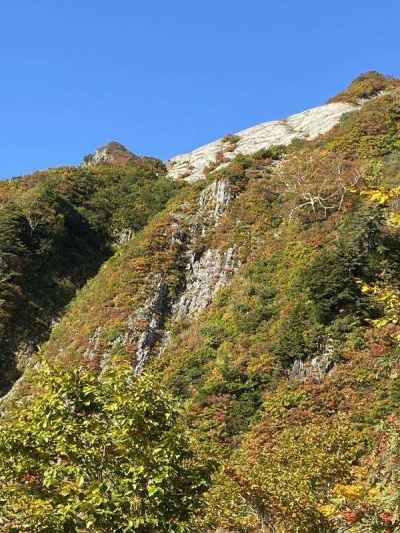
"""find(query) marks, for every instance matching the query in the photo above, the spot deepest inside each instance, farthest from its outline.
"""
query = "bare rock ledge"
(306, 125)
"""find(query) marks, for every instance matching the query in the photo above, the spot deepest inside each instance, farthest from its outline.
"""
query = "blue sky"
(165, 76)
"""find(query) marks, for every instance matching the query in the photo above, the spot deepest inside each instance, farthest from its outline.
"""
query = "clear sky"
(165, 76)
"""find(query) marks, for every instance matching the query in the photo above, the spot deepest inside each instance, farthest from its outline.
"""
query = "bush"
(97, 454)
(365, 86)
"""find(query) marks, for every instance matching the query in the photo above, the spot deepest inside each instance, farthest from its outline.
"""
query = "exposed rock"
(112, 153)
(215, 199)
(306, 125)
(144, 330)
(123, 236)
(94, 344)
(209, 270)
(316, 369)
(213, 202)
(206, 274)
(145, 326)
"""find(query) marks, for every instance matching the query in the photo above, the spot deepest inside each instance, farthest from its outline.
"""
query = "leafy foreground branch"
(98, 454)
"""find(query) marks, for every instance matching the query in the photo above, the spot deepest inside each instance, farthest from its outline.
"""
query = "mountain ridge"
(211, 156)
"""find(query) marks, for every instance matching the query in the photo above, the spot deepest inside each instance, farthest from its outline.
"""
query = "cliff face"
(306, 125)
(160, 277)
(259, 282)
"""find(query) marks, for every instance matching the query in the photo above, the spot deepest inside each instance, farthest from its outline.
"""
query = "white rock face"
(153, 312)
(205, 273)
(205, 276)
(102, 156)
(306, 125)
(215, 199)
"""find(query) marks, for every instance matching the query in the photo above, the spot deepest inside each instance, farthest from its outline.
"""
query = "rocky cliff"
(306, 125)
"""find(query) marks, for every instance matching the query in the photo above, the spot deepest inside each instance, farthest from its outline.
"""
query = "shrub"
(365, 86)
(97, 454)
(231, 138)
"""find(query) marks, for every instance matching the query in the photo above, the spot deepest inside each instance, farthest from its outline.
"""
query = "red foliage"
(351, 517)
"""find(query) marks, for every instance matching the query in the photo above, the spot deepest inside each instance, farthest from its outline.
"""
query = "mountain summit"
(112, 153)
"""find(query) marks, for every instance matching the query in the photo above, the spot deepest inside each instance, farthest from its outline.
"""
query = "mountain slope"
(57, 228)
(266, 297)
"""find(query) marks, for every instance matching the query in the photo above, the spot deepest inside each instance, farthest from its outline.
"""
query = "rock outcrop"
(206, 271)
(113, 153)
(316, 369)
(306, 125)
(206, 274)
(202, 272)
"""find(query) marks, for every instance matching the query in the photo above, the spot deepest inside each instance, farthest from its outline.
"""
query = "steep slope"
(56, 229)
(266, 297)
(172, 270)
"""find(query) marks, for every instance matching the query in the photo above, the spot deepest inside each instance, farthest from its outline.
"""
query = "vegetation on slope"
(290, 378)
(366, 86)
(56, 229)
(318, 291)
